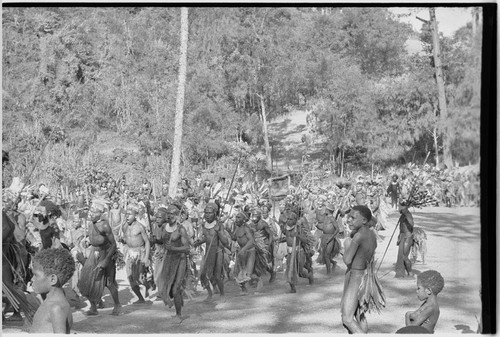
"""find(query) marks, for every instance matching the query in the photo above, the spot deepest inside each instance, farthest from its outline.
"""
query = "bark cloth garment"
(15, 254)
(134, 265)
(158, 257)
(212, 264)
(329, 248)
(298, 259)
(93, 279)
(262, 254)
(174, 271)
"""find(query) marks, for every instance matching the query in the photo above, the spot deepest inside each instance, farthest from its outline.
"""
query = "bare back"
(53, 316)
(367, 243)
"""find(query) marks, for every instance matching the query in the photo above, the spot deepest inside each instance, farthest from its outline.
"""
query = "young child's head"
(429, 282)
(52, 268)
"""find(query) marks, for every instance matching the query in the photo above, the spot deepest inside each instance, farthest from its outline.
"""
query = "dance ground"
(453, 249)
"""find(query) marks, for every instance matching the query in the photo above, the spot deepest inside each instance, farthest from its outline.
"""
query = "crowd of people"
(213, 231)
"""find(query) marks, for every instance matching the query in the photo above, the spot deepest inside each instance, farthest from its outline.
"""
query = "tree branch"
(423, 20)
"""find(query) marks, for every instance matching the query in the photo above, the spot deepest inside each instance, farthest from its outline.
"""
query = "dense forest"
(76, 77)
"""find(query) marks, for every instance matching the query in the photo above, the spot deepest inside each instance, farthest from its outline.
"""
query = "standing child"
(429, 285)
(52, 268)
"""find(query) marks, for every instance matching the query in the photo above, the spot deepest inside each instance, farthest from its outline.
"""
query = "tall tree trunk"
(436, 149)
(342, 164)
(477, 31)
(266, 137)
(446, 130)
(179, 106)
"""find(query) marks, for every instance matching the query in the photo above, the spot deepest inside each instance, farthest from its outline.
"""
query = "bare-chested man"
(245, 258)
(405, 241)
(99, 269)
(330, 245)
(137, 253)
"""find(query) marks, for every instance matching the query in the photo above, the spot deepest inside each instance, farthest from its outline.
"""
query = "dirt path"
(453, 250)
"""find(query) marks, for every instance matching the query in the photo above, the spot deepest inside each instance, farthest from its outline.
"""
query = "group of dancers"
(160, 244)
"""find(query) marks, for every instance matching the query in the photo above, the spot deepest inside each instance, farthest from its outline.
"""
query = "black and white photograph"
(247, 168)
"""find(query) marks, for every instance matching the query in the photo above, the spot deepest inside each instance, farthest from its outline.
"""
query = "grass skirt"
(370, 294)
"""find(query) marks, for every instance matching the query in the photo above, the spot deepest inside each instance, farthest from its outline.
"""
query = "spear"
(412, 191)
(232, 179)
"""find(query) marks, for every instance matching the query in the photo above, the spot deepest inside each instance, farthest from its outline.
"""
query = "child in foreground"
(52, 268)
(429, 285)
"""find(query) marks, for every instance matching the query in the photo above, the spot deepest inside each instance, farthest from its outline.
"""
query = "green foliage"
(88, 72)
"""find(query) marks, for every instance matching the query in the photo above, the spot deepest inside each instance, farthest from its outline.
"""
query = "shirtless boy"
(429, 285)
(52, 268)
(359, 250)
(137, 253)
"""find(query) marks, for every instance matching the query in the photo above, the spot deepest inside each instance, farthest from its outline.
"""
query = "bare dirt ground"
(453, 249)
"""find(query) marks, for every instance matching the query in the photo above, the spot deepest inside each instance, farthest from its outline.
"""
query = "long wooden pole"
(179, 106)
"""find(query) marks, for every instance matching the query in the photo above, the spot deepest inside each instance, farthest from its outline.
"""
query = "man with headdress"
(99, 270)
(330, 245)
(136, 253)
(405, 241)
(215, 240)
(264, 238)
(173, 273)
(299, 241)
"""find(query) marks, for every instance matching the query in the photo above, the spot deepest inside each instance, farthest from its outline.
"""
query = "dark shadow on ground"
(464, 328)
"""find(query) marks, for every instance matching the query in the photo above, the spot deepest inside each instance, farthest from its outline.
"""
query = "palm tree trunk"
(266, 137)
(179, 106)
